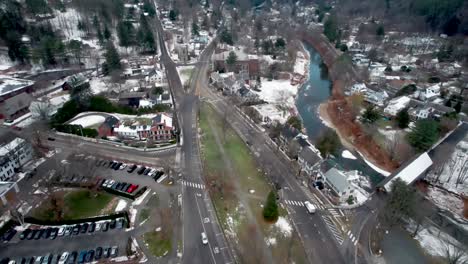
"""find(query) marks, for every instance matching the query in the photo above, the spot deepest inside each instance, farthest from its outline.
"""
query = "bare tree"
(463, 172)
(42, 109)
(455, 254)
(441, 156)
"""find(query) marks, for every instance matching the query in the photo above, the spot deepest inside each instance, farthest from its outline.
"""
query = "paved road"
(198, 214)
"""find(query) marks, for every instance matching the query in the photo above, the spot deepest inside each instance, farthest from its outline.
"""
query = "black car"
(84, 228)
(92, 227)
(38, 234)
(147, 171)
(117, 166)
(158, 175)
(46, 233)
(72, 257)
(51, 139)
(141, 170)
(105, 226)
(31, 234)
(106, 252)
(111, 163)
(89, 256)
(104, 164)
(132, 168)
(82, 256)
(112, 224)
(54, 233)
(120, 223)
(25, 234)
(9, 235)
(114, 186)
(5, 261)
(98, 253)
(124, 186)
(117, 186)
(76, 230)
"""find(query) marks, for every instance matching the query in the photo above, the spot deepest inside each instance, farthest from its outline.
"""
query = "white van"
(310, 207)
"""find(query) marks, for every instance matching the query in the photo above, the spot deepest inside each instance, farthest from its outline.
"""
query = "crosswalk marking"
(296, 203)
(335, 212)
(193, 185)
(333, 229)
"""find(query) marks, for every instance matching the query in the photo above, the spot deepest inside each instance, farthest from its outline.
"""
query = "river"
(398, 247)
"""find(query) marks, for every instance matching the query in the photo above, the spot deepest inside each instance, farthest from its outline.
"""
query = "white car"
(151, 173)
(310, 207)
(61, 231)
(98, 226)
(204, 239)
(63, 258)
(123, 166)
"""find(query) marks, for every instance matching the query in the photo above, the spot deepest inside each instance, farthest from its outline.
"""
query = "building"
(132, 98)
(76, 82)
(15, 97)
(8, 195)
(396, 105)
(159, 129)
(245, 62)
(422, 112)
(338, 182)
(14, 153)
(270, 113)
(376, 98)
(358, 88)
(307, 159)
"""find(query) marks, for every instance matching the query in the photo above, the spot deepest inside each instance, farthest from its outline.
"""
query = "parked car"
(132, 188)
(141, 170)
(9, 235)
(90, 255)
(98, 226)
(63, 258)
(158, 175)
(32, 234)
(51, 139)
(117, 165)
(68, 230)
(53, 233)
(120, 223)
(76, 230)
(123, 166)
(84, 228)
(46, 233)
(148, 170)
(152, 172)
(105, 226)
(125, 187)
(38, 234)
(106, 252)
(72, 257)
(24, 234)
(47, 259)
(38, 260)
(114, 251)
(98, 253)
(92, 227)
(112, 224)
(132, 168)
(61, 231)
(82, 256)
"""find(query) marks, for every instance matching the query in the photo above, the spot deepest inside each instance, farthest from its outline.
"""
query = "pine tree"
(231, 59)
(112, 58)
(195, 28)
(403, 118)
(107, 33)
(424, 134)
(125, 32)
(458, 107)
(270, 210)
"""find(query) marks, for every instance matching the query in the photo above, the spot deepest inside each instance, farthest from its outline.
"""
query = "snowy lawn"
(446, 201)
(374, 167)
(89, 121)
(302, 63)
(348, 155)
(278, 92)
(121, 205)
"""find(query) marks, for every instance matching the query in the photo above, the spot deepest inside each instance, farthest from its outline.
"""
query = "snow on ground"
(284, 226)
(140, 199)
(455, 168)
(445, 200)
(121, 205)
(278, 92)
(5, 62)
(374, 167)
(302, 64)
(59, 100)
(184, 73)
(348, 155)
(98, 86)
(88, 121)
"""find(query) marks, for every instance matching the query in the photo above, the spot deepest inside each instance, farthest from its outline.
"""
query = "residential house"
(396, 105)
(15, 97)
(159, 129)
(421, 112)
(14, 153)
(106, 129)
(244, 62)
(287, 134)
(308, 158)
(132, 98)
(246, 95)
(338, 182)
(76, 82)
(430, 92)
(358, 88)
(269, 114)
(376, 98)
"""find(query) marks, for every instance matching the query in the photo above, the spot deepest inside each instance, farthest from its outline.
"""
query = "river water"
(315, 91)
(397, 246)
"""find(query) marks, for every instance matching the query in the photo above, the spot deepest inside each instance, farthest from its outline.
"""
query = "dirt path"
(243, 199)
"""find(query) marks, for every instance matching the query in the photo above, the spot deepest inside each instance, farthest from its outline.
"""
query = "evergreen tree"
(149, 8)
(112, 58)
(195, 28)
(205, 23)
(173, 15)
(330, 28)
(448, 103)
(145, 36)
(125, 33)
(403, 118)
(107, 33)
(424, 134)
(370, 115)
(401, 203)
(458, 107)
(226, 37)
(37, 6)
(280, 43)
(76, 47)
(380, 30)
(207, 4)
(328, 143)
(295, 122)
(270, 210)
(100, 35)
(231, 59)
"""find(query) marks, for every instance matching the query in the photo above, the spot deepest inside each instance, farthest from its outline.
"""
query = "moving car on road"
(310, 207)
(204, 238)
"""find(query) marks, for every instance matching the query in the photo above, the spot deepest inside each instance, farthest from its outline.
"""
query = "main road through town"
(198, 211)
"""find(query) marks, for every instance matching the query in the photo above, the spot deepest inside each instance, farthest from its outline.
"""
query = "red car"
(132, 188)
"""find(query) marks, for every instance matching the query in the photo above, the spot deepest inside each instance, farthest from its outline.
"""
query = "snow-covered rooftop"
(10, 146)
(9, 84)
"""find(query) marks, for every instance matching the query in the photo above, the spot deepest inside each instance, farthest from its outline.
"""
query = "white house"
(270, 113)
(13, 155)
(308, 159)
(430, 92)
(376, 98)
(421, 112)
(396, 105)
(358, 88)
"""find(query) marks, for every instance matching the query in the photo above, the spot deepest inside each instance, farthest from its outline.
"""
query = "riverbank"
(337, 110)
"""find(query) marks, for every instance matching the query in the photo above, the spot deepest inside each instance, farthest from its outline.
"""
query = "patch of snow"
(88, 121)
(140, 199)
(278, 92)
(348, 155)
(271, 241)
(5, 63)
(98, 86)
(121, 205)
(301, 64)
(284, 226)
(374, 167)
(446, 200)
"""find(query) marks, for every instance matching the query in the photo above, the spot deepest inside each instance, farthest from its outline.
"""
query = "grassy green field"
(157, 243)
(245, 172)
(75, 205)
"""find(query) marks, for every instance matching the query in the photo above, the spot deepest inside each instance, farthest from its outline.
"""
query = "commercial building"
(14, 153)
(15, 97)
